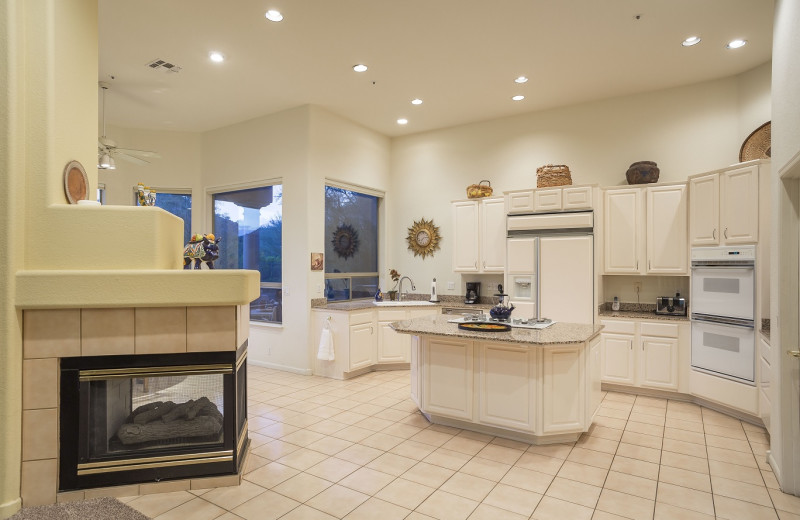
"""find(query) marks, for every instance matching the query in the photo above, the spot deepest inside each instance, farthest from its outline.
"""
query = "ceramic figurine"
(202, 248)
(146, 195)
(379, 296)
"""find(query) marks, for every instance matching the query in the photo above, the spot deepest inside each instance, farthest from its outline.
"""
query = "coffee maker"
(473, 293)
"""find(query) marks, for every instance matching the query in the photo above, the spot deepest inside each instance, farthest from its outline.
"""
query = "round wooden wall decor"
(758, 144)
(345, 241)
(76, 183)
(423, 238)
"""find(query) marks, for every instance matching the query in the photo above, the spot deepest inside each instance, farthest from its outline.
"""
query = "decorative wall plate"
(76, 183)
(345, 241)
(758, 144)
(423, 238)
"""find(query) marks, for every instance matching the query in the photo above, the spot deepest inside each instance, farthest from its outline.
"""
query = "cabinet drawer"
(357, 318)
(519, 202)
(665, 330)
(577, 198)
(391, 315)
(547, 199)
(619, 327)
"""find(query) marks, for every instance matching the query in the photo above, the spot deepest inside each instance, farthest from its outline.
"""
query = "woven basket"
(476, 191)
(553, 175)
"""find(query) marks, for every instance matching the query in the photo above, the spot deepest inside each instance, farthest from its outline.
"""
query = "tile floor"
(360, 449)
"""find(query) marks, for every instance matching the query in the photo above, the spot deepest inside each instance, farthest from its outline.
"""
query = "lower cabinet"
(563, 389)
(448, 378)
(507, 385)
(362, 346)
(765, 381)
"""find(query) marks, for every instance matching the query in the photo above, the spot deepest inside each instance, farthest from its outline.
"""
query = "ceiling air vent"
(164, 65)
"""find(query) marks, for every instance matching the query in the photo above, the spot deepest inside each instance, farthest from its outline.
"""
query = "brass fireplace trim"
(179, 370)
(93, 468)
(242, 438)
(241, 361)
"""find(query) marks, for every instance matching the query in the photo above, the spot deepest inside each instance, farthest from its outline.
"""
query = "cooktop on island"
(520, 323)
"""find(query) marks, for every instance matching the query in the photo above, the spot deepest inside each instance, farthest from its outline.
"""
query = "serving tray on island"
(478, 326)
(532, 324)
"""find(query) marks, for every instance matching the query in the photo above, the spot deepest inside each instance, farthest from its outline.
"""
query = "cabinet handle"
(371, 330)
(642, 345)
(714, 234)
(484, 264)
(649, 265)
(794, 353)
(476, 264)
(726, 233)
(637, 265)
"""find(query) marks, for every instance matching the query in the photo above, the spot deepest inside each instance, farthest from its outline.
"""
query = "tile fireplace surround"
(52, 334)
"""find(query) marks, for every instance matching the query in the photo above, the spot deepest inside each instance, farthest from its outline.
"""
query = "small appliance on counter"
(671, 306)
(501, 311)
(473, 293)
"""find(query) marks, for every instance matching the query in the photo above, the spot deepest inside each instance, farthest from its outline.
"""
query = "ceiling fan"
(107, 149)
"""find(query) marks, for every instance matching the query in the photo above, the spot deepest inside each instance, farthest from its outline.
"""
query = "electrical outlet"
(637, 286)
(319, 288)
(451, 286)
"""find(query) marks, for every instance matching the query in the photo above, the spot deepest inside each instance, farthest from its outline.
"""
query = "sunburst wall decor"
(345, 241)
(423, 238)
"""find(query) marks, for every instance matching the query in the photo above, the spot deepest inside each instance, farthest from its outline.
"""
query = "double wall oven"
(723, 312)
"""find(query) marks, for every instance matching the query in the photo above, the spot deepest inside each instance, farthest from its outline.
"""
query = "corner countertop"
(411, 304)
(636, 311)
(558, 333)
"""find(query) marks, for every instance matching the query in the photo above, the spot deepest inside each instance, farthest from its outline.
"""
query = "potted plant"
(392, 293)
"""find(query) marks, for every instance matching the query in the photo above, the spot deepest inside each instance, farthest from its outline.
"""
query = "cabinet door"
(667, 251)
(447, 382)
(416, 379)
(493, 235)
(520, 202)
(704, 210)
(465, 236)
(521, 257)
(563, 389)
(392, 347)
(547, 199)
(658, 366)
(623, 212)
(616, 359)
(362, 346)
(507, 386)
(595, 390)
(577, 198)
(739, 206)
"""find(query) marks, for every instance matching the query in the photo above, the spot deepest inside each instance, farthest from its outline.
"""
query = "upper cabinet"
(544, 200)
(645, 230)
(479, 231)
(723, 207)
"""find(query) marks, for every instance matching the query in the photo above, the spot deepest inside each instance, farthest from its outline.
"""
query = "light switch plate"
(451, 286)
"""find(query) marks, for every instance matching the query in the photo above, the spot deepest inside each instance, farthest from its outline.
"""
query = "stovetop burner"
(520, 323)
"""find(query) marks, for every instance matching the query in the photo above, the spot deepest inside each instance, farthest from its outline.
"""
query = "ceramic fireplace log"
(150, 412)
(198, 427)
(189, 410)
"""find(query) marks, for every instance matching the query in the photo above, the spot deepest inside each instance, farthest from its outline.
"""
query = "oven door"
(725, 350)
(723, 291)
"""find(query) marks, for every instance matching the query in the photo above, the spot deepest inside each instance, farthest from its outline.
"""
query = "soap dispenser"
(615, 304)
(434, 293)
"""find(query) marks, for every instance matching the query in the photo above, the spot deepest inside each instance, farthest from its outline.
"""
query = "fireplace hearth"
(149, 418)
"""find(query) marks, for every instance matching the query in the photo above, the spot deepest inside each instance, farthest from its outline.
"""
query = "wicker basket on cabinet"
(551, 175)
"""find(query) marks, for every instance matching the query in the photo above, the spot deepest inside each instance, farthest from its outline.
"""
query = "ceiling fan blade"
(143, 153)
(131, 159)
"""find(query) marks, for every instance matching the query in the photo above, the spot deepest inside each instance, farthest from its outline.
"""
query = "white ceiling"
(459, 56)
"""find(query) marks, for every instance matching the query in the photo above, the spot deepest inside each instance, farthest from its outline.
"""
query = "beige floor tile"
(405, 493)
(690, 426)
(590, 458)
(732, 457)
(636, 467)
(329, 445)
(275, 449)
(612, 434)
(583, 473)
(375, 508)
(550, 508)
(302, 459)
(631, 484)
(685, 416)
(608, 403)
(485, 468)
(684, 447)
(678, 460)
(353, 433)
(266, 506)
(392, 464)
(670, 512)
(760, 437)
(614, 413)
(302, 487)
(271, 475)
(590, 442)
(731, 509)
(327, 427)
(620, 397)
(333, 469)
(366, 480)
(735, 472)
(540, 463)
(508, 443)
(276, 430)
(428, 474)
(446, 506)
(375, 424)
(527, 479)
(770, 480)
(432, 437)
(449, 459)
(302, 420)
(685, 478)
(756, 494)
(602, 515)
(516, 500)
(785, 515)
(303, 512)
(656, 420)
(359, 454)
(647, 429)
(338, 500)
(196, 509)
(649, 410)
(728, 443)
(154, 505)
(724, 431)
(390, 414)
(625, 505)
(785, 502)
(464, 445)
(254, 462)
(640, 439)
(382, 441)
(657, 402)
(229, 516)
(633, 451)
(685, 498)
(715, 418)
(230, 497)
(485, 511)
(500, 454)
(574, 491)
(557, 451)
(413, 449)
(402, 430)
(609, 422)
(468, 486)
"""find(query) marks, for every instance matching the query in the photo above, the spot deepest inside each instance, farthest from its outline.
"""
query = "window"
(351, 244)
(179, 204)
(249, 224)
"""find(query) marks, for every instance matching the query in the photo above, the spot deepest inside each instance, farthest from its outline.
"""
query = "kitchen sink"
(406, 303)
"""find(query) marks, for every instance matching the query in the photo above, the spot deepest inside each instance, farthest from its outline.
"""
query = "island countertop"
(558, 333)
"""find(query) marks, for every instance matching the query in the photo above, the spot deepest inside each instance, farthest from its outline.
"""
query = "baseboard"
(285, 368)
(776, 469)
(688, 398)
(8, 509)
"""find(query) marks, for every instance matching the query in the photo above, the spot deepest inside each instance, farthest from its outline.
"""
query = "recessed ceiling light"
(735, 44)
(402, 121)
(360, 68)
(216, 57)
(416, 101)
(521, 79)
(692, 40)
(274, 16)
(518, 98)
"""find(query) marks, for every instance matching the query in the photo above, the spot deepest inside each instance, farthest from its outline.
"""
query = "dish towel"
(325, 352)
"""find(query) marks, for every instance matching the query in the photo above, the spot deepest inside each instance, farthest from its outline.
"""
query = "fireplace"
(149, 418)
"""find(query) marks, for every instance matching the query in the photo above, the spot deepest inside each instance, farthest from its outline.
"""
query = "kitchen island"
(536, 386)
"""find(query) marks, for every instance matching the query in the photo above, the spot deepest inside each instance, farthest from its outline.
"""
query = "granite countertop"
(639, 311)
(413, 303)
(558, 333)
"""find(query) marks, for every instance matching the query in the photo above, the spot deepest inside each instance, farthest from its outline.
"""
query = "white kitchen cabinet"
(479, 230)
(577, 198)
(416, 367)
(667, 246)
(765, 381)
(392, 347)
(521, 255)
(595, 365)
(546, 200)
(723, 207)
(507, 386)
(563, 400)
(362, 346)
(617, 358)
(519, 202)
(622, 230)
(658, 363)
(448, 378)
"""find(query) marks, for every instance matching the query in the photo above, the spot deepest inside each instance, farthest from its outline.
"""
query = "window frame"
(169, 191)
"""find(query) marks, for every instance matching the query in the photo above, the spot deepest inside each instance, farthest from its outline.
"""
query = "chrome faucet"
(400, 287)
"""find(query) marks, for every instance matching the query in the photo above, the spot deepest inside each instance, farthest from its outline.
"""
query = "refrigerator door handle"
(537, 275)
(723, 320)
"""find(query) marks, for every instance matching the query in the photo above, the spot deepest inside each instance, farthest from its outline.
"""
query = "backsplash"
(651, 288)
